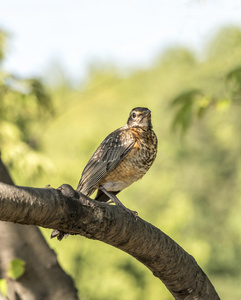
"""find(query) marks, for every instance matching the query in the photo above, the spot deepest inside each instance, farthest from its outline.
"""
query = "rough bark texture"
(43, 278)
(166, 259)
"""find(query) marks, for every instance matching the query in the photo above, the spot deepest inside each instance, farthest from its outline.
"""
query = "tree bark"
(49, 208)
(43, 278)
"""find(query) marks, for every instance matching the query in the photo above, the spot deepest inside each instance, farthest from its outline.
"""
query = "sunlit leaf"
(223, 104)
(3, 287)
(16, 268)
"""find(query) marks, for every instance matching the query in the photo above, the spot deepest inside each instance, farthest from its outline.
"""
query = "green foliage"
(3, 287)
(3, 38)
(185, 103)
(24, 105)
(178, 56)
(227, 41)
(222, 73)
(16, 268)
(234, 78)
(192, 192)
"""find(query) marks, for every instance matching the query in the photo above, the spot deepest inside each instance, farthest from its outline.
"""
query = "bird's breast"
(136, 163)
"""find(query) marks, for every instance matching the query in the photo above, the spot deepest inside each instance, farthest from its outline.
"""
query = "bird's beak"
(147, 113)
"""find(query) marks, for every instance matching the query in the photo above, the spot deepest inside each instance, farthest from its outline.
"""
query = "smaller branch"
(49, 208)
(4, 175)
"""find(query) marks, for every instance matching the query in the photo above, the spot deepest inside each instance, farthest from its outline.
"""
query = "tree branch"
(43, 278)
(49, 208)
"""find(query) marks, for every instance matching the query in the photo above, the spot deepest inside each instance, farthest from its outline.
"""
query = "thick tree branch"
(158, 252)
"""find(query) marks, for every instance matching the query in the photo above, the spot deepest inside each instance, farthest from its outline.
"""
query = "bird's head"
(140, 116)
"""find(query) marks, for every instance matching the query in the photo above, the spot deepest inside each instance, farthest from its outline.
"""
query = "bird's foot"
(58, 234)
(132, 212)
(117, 202)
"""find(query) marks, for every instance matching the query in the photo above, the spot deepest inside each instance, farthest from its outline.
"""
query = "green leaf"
(234, 77)
(3, 287)
(201, 111)
(16, 268)
(184, 114)
(186, 96)
(223, 104)
(183, 117)
(234, 74)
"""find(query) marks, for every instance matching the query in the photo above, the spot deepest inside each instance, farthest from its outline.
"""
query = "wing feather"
(105, 159)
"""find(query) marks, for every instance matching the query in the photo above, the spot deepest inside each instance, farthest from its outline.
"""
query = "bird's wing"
(105, 159)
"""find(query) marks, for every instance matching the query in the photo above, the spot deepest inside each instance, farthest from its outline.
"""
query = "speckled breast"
(136, 163)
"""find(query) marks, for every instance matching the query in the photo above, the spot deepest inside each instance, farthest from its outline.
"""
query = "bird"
(123, 157)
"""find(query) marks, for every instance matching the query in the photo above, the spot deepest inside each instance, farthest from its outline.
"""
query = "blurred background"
(71, 71)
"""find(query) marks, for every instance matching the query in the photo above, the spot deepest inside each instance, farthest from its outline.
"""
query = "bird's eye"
(133, 115)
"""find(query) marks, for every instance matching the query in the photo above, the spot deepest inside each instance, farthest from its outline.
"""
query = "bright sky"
(128, 33)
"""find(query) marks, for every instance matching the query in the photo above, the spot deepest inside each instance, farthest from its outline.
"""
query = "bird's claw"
(132, 212)
(114, 199)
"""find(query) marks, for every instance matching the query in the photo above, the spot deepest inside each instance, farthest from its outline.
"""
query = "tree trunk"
(43, 279)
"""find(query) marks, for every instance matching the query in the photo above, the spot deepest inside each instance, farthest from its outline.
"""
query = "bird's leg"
(110, 200)
(117, 202)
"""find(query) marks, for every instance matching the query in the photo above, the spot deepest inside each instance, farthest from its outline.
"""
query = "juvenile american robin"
(122, 158)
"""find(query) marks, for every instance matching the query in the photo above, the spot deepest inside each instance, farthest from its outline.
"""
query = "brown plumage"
(122, 158)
